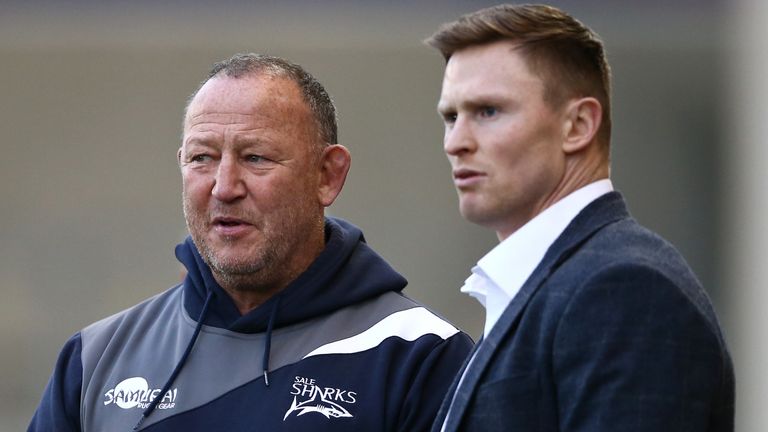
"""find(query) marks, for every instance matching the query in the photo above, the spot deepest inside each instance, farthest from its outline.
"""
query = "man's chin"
(234, 267)
(227, 247)
(230, 259)
(470, 211)
(479, 215)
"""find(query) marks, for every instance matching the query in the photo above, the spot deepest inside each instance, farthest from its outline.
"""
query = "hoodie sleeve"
(432, 381)
(59, 408)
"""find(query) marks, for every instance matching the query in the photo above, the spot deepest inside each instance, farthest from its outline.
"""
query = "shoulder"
(416, 318)
(426, 331)
(625, 248)
(390, 317)
(641, 290)
(623, 271)
(626, 240)
(153, 308)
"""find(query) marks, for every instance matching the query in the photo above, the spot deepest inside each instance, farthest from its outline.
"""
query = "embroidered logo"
(135, 393)
(322, 400)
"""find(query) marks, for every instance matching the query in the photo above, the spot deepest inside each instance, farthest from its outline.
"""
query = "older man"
(286, 319)
(593, 323)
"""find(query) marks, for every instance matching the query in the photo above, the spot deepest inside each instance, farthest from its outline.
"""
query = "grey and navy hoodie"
(339, 349)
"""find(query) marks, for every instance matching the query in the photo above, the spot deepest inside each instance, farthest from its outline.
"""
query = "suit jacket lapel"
(601, 212)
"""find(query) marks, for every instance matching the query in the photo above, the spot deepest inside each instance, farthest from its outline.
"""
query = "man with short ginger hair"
(593, 323)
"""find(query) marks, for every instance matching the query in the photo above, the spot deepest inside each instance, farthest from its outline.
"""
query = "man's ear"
(583, 119)
(334, 166)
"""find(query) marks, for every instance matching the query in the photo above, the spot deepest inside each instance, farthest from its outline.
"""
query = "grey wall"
(90, 112)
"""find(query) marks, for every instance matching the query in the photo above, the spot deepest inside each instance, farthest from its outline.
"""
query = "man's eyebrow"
(199, 141)
(484, 100)
(249, 139)
(472, 103)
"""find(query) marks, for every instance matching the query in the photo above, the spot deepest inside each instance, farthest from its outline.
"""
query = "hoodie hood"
(346, 272)
(322, 288)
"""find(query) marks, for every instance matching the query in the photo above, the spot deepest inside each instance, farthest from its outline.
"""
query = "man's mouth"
(227, 222)
(464, 177)
(230, 226)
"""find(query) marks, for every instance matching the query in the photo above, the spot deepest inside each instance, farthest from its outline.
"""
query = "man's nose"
(229, 184)
(459, 138)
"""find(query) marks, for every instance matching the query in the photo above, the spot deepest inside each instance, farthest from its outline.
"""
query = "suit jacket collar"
(605, 210)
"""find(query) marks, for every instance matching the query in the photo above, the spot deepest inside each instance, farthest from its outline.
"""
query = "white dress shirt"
(500, 274)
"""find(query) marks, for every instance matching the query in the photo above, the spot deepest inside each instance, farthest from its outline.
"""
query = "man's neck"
(579, 173)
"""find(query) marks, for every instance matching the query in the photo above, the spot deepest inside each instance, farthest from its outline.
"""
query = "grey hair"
(317, 98)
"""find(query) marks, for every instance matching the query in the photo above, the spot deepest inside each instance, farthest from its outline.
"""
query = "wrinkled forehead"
(248, 95)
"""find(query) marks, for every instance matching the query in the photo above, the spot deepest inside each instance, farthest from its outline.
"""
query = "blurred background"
(91, 94)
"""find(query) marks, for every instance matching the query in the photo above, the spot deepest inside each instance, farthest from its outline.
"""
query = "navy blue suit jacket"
(612, 332)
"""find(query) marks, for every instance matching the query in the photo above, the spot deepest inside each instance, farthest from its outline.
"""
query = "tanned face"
(251, 178)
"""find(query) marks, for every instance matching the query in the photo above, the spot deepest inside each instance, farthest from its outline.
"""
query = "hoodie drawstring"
(268, 341)
(179, 365)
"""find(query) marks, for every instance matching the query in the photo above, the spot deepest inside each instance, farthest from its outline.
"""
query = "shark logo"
(325, 407)
(321, 400)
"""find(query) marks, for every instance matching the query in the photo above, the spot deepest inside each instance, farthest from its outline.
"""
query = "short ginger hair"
(567, 56)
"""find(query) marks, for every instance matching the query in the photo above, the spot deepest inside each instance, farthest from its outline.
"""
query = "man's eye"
(488, 111)
(199, 158)
(449, 118)
(254, 158)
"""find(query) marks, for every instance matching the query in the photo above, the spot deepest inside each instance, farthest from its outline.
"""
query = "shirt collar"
(501, 272)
